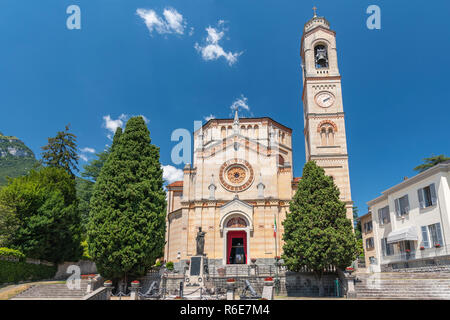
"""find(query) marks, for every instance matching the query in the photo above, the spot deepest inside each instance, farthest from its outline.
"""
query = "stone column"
(230, 290)
(109, 289)
(134, 291)
(268, 290)
(90, 285)
(350, 279)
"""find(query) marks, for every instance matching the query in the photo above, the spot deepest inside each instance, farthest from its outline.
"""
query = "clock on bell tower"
(323, 111)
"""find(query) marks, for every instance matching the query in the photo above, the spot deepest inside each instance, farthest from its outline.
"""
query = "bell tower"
(323, 110)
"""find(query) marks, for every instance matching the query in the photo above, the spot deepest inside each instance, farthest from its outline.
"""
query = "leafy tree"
(431, 162)
(61, 151)
(357, 223)
(317, 233)
(93, 168)
(45, 208)
(8, 225)
(127, 219)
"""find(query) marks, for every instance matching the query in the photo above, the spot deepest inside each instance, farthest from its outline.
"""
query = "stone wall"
(86, 267)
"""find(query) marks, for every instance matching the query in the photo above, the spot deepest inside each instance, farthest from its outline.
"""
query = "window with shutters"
(369, 243)
(402, 206)
(425, 242)
(387, 249)
(435, 234)
(384, 216)
(427, 196)
(368, 226)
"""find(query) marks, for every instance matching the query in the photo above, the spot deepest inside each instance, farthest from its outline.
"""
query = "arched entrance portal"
(236, 240)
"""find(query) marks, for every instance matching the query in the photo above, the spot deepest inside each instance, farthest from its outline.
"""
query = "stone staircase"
(403, 285)
(52, 291)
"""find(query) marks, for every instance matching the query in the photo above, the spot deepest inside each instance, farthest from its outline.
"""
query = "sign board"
(195, 266)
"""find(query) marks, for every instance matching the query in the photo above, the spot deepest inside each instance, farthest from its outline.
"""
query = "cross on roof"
(315, 8)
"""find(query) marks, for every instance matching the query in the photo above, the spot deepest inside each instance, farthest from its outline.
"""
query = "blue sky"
(393, 79)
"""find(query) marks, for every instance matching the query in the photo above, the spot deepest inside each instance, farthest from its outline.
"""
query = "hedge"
(6, 252)
(14, 271)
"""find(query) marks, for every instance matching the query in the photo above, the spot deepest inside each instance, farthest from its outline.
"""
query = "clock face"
(325, 99)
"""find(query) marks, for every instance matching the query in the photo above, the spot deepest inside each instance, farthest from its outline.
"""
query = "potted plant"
(422, 248)
(221, 272)
(437, 245)
(268, 281)
(253, 260)
(230, 283)
(408, 251)
(169, 266)
(178, 298)
(107, 283)
(135, 284)
(349, 270)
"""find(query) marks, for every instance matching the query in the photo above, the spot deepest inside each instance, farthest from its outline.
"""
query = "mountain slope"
(16, 159)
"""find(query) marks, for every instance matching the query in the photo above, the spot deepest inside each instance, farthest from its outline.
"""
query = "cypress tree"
(317, 233)
(126, 229)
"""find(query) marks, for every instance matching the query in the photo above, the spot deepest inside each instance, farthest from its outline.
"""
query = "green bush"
(6, 252)
(13, 271)
(85, 247)
(169, 265)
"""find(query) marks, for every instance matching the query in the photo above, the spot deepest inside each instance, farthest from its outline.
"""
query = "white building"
(411, 222)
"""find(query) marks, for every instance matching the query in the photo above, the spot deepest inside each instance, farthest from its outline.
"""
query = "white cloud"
(212, 50)
(172, 22)
(83, 157)
(88, 150)
(111, 125)
(240, 103)
(172, 174)
(211, 116)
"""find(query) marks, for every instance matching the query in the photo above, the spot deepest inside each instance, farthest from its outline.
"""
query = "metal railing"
(426, 253)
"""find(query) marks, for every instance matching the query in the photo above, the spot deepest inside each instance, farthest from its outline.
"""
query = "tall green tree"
(61, 151)
(127, 220)
(317, 233)
(431, 162)
(44, 208)
(85, 185)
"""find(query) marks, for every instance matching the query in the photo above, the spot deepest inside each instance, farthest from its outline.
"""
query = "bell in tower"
(321, 56)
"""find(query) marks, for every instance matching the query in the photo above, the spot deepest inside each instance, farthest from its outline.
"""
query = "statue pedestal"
(195, 276)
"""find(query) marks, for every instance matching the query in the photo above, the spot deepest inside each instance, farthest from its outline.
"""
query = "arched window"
(321, 56)
(243, 131)
(256, 131)
(327, 135)
(223, 132)
(280, 160)
(327, 130)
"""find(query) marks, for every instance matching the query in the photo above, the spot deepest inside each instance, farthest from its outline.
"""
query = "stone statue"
(200, 241)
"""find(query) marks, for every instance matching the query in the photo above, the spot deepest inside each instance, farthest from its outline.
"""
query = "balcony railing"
(417, 255)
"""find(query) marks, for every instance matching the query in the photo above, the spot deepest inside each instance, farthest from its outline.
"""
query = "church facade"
(238, 188)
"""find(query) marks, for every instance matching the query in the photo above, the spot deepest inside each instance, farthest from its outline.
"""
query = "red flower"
(231, 280)
(135, 281)
(437, 245)
(268, 279)
(108, 281)
(407, 251)
(422, 248)
(349, 269)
